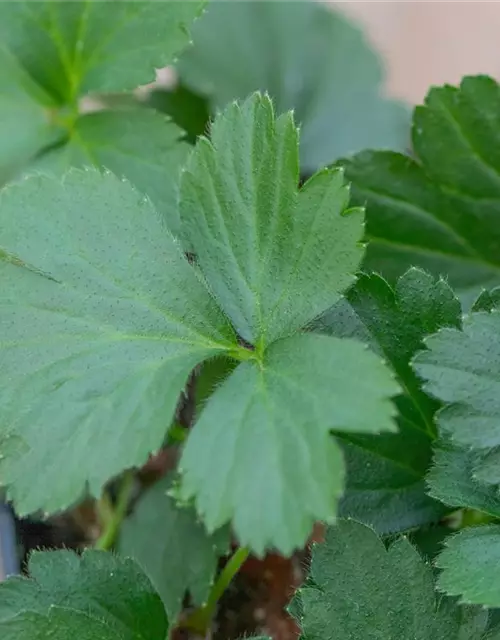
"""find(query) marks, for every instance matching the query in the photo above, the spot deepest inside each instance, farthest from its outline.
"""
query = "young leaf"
(359, 589)
(462, 368)
(138, 144)
(74, 48)
(180, 556)
(241, 47)
(274, 256)
(264, 439)
(102, 321)
(470, 566)
(97, 595)
(385, 473)
(439, 211)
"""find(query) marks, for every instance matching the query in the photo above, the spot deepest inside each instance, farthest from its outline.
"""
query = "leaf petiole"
(200, 619)
(115, 515)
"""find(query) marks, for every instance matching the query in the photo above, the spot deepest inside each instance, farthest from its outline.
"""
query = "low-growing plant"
(311, 352)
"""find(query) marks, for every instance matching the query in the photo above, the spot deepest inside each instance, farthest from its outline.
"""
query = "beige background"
(428, 43)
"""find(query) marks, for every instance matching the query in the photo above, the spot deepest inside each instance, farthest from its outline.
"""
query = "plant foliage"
(97, 595)
(357, 588)
(201, 292)
(439, 209)
(303, 67)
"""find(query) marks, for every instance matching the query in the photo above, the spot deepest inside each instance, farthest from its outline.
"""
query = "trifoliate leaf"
(469, 565)
(74, 48)
(462, 369)
(320, 65)
(385, 473)
(26, 111)
(453, 481)
(440, 210)
(102, 321)
(180, 556)
(274, 256)
(359, 589)
(264, 439)
(68, 596)
(138, 144)
(58, 52)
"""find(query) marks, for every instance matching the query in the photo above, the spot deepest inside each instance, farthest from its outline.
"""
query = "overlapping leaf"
(173, 547)
(469, 558)
(319, 65)
(97, 595)
(57, 52)
(462, 369)
(274, 256)
(392, 590)
(469, 566)
(441, 210)
(102, 320)
(453, 480)
(263, 439)
(138, 144)
(26, 124)
(75, 48)
(487, 300)
(385, 473)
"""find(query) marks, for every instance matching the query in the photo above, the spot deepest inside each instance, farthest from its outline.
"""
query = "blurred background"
(426, 43)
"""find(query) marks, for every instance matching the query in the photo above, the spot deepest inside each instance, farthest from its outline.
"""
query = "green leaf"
(187, 109)
(60, 624)
(487, 300)
(212, 373)
(264, 439)
(469, 566)
(138, 144)
(102, 321)
(359, 589)
(487, 466)
(385, 473)
(309, 59)
(440, 210)
(462, 369)
(274, 256)
(429, 540)
(56, 52)
(26, 124)
(385, 485)
(180, 556)
(97, 595)
(73, 48)
(453, 481)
